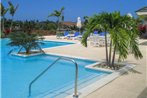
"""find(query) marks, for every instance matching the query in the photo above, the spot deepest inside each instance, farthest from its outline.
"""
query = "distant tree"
(28, 26)
(18, 24)
(59, 15)
(3, 12)
(12, 10)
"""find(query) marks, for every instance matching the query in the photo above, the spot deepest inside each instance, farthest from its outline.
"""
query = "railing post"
(76, 82)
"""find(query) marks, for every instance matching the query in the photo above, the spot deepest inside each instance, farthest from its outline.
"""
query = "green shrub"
(25, 40)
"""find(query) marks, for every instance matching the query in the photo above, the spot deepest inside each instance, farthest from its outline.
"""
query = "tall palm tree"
(12, 10)
(123, 34)
(59, 15)
(3, 12)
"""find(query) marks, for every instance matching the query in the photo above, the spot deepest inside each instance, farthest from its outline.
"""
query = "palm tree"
(85, 19)
(59, 15)
(25, 41)
(12, 10)
(3, 12)
(123, 34)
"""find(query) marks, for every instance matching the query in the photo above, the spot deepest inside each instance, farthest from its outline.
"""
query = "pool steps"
(68, 89)
(60, 58)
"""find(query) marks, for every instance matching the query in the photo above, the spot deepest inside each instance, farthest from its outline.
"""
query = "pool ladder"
(60, 58)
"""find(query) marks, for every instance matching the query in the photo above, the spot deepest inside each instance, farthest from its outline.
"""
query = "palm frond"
(62, 9)
(122, 30)
(16, 7)
(12, 8)
(84, 38)
(3, 10)
(24, 40)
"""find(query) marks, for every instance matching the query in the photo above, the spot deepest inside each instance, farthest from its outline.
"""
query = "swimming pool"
(18, 72)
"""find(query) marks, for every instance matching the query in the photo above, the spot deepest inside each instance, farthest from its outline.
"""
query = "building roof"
(144, 9)
(69, 23)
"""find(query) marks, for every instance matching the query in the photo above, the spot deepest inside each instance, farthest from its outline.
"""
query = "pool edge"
(100, 83)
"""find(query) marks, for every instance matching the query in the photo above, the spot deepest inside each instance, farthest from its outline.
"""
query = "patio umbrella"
(130, 15)
(79, 24)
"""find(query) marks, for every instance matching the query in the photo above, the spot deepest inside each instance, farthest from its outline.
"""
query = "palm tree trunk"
(113, 57)
(11, 24)
(110, 51)
(58, 24)
(106, 49)
(3, 24)
(27, 51)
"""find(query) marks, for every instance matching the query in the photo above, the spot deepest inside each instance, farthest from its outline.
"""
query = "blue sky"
(40, 9)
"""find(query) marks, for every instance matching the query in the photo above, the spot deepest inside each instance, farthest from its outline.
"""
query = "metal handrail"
(76, 75)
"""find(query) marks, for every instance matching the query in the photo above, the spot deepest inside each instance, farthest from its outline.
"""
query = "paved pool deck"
(132, 84)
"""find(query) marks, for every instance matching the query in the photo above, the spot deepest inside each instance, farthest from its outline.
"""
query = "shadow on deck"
(143, 94)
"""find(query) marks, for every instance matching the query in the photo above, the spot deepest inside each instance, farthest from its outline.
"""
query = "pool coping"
(72, 43)
(70, 56)
(96, 68)
(100, 83)
(23, 55)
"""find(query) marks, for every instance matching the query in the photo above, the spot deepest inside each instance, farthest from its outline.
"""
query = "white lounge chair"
(97, 40)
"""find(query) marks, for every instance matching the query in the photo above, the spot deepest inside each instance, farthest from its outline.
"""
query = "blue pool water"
(18, 72)
(48, 44)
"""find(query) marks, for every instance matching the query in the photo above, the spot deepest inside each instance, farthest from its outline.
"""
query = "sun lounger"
(66, 33)
(95, 32)
(97, 40)
(77, 35)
